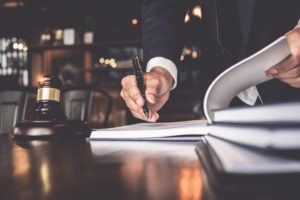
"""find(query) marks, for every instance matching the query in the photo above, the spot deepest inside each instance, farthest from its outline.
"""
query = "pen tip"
(146, 115)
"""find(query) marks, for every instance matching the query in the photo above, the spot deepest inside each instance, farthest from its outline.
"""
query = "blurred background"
(90, 43)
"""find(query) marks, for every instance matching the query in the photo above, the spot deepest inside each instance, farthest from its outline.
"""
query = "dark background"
(114, 37)
(110, 19)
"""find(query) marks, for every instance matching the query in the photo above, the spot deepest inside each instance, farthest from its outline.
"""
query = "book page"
(153, 130)
(246, 73)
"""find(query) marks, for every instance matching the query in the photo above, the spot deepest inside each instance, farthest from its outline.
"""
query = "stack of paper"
(239, 160)
(171, 131)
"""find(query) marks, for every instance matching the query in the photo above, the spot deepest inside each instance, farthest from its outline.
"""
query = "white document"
(240, 160)
(248, 72)
(153, 130)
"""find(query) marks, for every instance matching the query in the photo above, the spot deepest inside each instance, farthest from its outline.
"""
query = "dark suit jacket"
(244, 27)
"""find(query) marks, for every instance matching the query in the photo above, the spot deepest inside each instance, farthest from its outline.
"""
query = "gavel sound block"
(49, 119)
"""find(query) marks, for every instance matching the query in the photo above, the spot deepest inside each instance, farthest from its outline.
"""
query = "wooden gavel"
(49, 120)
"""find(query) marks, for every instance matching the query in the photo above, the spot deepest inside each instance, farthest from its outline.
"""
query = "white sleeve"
(166, 64)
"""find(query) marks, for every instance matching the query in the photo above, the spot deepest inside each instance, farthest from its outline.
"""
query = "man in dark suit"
(237, 28)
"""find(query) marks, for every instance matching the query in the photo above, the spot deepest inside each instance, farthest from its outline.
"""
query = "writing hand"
(157, 82)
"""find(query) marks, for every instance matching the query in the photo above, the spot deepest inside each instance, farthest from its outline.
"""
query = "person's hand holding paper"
(288, 70)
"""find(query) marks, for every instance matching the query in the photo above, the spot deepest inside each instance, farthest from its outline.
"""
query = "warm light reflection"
(20, 46)
(58, 34)
(187, 18)
(106, 61)
(188, 51)
(181, 57)
(197, 12)
(101, 60)
(45, 175)
(194, 54)
(132, 174)
(9, 70)
(160, 178)
(41, 80)
(13, 4)
(113, 65)
(190, 183)
(45, 37)
(109, 61)
(134, 21)
(20, 161)
(15, 45)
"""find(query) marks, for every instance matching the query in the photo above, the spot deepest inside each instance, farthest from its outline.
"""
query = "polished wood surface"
(71, 168)
(75, 169)
(37, 129)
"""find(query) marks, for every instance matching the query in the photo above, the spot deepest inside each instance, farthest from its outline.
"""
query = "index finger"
(130, 88)
(128, 81)
(135, 94)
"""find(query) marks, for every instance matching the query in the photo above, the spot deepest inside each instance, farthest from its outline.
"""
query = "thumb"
(151, 94)
(151, 98)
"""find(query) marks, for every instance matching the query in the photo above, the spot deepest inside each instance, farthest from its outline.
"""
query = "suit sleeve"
(162, 24)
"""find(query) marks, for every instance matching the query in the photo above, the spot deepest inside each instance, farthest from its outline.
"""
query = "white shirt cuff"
(166, 64)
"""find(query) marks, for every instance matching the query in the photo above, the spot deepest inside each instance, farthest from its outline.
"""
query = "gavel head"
(49, 89)
(48, 99)
(48, 81)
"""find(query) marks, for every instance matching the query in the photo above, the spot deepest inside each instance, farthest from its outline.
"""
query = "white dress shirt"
(166, 64)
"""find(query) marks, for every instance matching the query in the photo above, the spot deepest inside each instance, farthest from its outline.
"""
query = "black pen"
(140, 82)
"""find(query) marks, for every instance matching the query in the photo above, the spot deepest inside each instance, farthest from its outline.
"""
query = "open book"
(246, 73)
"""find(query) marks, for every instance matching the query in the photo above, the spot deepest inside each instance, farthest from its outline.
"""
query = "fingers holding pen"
(157, 90)
(152, 116)
(129, 102)
(134, 100)
(131, 91)
(133, 103)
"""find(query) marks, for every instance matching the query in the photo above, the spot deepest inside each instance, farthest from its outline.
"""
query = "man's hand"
(288, 70)
(158, 83)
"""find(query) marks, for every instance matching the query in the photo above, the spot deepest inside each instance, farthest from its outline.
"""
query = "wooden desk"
(75, 169)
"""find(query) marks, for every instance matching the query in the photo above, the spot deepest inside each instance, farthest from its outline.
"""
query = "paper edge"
(219, 77)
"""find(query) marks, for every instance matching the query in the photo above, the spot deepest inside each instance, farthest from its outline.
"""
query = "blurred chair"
(12, 108)
(78, 103)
